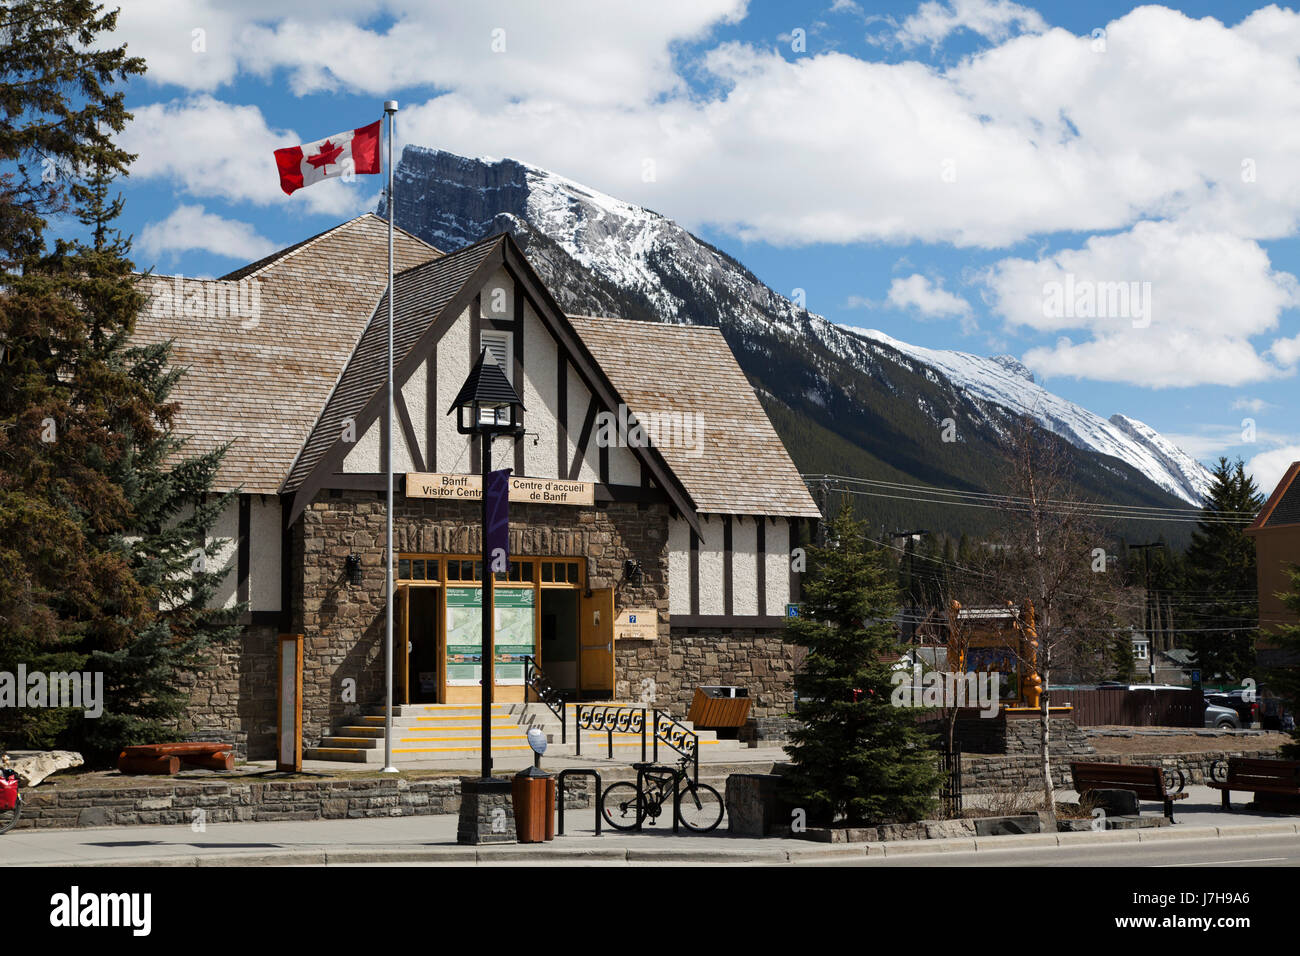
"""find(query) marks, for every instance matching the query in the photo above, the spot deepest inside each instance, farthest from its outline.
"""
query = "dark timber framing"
(519, 371)
(580, 452)
(475, 347)
(408, 430)
(431, 409)
(795, 593)
(561, 413)
(695, 572)
(726, 565)
(773, 621)
(244, 558)
(760, 570)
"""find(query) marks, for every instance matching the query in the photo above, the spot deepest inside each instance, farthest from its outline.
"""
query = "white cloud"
(210, 148)
(927, 297)
(575, 50)
(1253, 405)
(1286, 351)
(995, 20)
(1160, 305)
(1267, 468)
(192, 227)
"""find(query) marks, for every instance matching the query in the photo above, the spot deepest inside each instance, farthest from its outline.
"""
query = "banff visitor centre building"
(639, 569)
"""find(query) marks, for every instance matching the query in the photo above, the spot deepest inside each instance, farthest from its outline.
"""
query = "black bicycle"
(700, 807)
(11, 801)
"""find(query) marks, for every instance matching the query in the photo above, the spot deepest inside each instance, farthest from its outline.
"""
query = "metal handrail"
(536, 680)
(611, 719)
(680, 738)
(631, 720)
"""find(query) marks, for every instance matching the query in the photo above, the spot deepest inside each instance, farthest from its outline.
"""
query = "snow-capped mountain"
(844, 403)
(1004, 381)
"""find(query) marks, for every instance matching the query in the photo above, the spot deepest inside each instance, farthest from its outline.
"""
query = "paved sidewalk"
(504, 765)
(432, 839)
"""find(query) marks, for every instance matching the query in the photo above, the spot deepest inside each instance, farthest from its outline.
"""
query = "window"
(1140, 650)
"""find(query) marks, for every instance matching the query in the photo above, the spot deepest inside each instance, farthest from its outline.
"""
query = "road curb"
(723, 856)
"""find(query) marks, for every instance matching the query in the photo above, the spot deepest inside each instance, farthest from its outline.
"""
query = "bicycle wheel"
(8, 818)
(701, 808)
(618, 805)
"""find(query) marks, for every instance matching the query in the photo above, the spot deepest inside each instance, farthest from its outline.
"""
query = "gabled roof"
(740, 466)
(258, 383)
(428, 296)
(1283, 505)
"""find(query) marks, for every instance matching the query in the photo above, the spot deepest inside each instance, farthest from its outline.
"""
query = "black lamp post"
(487, 406)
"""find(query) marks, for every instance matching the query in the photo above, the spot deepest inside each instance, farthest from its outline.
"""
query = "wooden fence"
(1133, 708)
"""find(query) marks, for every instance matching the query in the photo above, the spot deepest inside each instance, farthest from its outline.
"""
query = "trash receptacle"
(533, 794)
(719, 706)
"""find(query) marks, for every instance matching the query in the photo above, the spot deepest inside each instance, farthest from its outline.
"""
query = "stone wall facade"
(344, 624)
(1017, 735)
(233, 700)
(180, 802)
(757, 659)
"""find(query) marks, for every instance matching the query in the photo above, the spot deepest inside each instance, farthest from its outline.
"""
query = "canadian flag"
(356, 151)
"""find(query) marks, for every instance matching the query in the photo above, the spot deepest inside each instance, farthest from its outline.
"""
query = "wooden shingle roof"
(1283, 505)
(740, 465)
(258, 383)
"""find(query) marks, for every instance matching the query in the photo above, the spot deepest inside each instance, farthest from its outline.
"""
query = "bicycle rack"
(641, 771)
(559, 796)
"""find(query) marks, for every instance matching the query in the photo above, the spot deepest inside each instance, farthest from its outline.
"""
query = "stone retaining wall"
(178, 802)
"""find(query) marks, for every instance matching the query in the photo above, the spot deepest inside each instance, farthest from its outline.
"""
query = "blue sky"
(927, 169)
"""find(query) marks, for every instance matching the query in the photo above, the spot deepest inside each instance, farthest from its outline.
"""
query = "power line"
(974, 499)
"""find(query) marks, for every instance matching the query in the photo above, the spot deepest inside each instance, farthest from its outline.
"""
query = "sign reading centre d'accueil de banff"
(545, 491)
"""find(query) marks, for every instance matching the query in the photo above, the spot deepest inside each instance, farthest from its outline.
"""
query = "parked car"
(1248, 711)
(1274, 714)
(1220, 717)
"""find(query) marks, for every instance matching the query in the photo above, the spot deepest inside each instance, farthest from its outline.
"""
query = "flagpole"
(390, 108)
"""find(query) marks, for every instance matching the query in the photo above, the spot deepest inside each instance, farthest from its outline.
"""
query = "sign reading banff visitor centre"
(537, 491)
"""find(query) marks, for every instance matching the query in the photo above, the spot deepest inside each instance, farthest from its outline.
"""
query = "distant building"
(1277, 546)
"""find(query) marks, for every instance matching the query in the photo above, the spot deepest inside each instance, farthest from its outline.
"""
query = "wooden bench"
(1255, 775)
(1148, 783)
(167, 758)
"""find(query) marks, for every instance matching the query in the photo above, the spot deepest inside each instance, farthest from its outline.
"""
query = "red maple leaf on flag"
(328, 151)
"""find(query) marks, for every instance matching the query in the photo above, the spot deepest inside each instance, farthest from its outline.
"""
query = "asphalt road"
(1249, 851)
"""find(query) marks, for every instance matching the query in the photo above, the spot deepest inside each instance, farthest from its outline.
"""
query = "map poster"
(514, 634)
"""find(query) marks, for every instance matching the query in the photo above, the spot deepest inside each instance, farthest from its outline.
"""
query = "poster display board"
(515, 637)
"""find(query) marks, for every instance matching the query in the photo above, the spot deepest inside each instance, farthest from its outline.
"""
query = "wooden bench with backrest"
(1255, 775)
(167, 758)
(1148, 783)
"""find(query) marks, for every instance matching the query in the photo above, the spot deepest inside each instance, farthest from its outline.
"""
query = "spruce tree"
(102, 519)
(1221, 616)
(857, 758)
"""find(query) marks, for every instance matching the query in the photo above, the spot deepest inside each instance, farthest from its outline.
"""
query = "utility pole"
(1148, 614)
(910, 551)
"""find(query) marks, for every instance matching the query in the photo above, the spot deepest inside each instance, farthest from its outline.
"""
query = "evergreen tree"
(1221, 614)
(857, 758)
(1284, 680)
(101, 520)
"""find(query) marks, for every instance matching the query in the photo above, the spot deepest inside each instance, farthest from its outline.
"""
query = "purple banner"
(498, 518)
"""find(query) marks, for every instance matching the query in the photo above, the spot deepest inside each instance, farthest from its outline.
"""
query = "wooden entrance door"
(401, 646)
(596, 644)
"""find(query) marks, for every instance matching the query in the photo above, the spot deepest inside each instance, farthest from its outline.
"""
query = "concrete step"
(433, 731)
